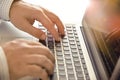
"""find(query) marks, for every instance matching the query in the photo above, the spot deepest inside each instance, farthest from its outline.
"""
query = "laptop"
(83, 54)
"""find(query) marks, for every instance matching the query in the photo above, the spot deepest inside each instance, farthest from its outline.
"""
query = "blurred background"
(69, 11)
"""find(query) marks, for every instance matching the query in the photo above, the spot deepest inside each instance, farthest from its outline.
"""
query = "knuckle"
(38, 11)
(47, 51)
(56, 18)
(44, 59)
(37, 33)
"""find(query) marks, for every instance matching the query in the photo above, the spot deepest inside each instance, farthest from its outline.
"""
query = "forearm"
(5, 8)
(4, 72)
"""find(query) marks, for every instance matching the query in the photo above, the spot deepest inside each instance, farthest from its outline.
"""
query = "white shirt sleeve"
(4, 8)
(4, 71)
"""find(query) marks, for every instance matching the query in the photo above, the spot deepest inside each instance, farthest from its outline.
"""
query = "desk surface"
(69, 11)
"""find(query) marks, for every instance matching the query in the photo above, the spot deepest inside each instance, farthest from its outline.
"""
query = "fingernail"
(62, 35)
(58, 39)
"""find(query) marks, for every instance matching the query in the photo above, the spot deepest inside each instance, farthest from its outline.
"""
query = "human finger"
(37, 72)
(33, 47)
(41, 61)
(56, 20)
(42, 50)
(29, 42)
(47, 23)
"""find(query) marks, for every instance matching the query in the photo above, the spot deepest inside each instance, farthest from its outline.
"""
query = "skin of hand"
(23, 15)
(28, 58)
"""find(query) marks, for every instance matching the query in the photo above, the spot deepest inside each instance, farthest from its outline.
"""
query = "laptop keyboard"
(70, 63)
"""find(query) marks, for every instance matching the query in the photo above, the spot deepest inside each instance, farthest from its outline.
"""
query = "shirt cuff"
(5, 8)
(4, 72)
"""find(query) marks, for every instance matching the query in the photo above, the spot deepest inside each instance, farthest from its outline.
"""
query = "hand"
(23, 15)
(28, 58)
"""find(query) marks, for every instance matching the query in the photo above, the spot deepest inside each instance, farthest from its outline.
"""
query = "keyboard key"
(71, 77)
(75, 32)
(77, 39)
(50, 38)
(64, 40)
(58, 44)
(87, 77)
(77, 64)
(60, 66)
(84, 66)
(73, 46)
(59, 49)
(59, 53)
(81, 56)
(62, 77)
(66, 48)
(62, 73)
(60, 62)
(79, 47)
(59, 57)
(50, 45)
(86, 71)
(67, 56)
(83, 61)
(76, 36)
(73, 50)
(78, 68)
(76, 59)
(68, 26)
(80, 52)
(69, 66)
(79, 74)
(70, 71)
(70, 32)
(75, 54)
(69, 62)
(67, 52)
(71, 38)
(65, 44)
(80, 78)
(72, 43)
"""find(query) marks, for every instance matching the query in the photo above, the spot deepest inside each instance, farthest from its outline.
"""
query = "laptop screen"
(105, 27)
(109, 51)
